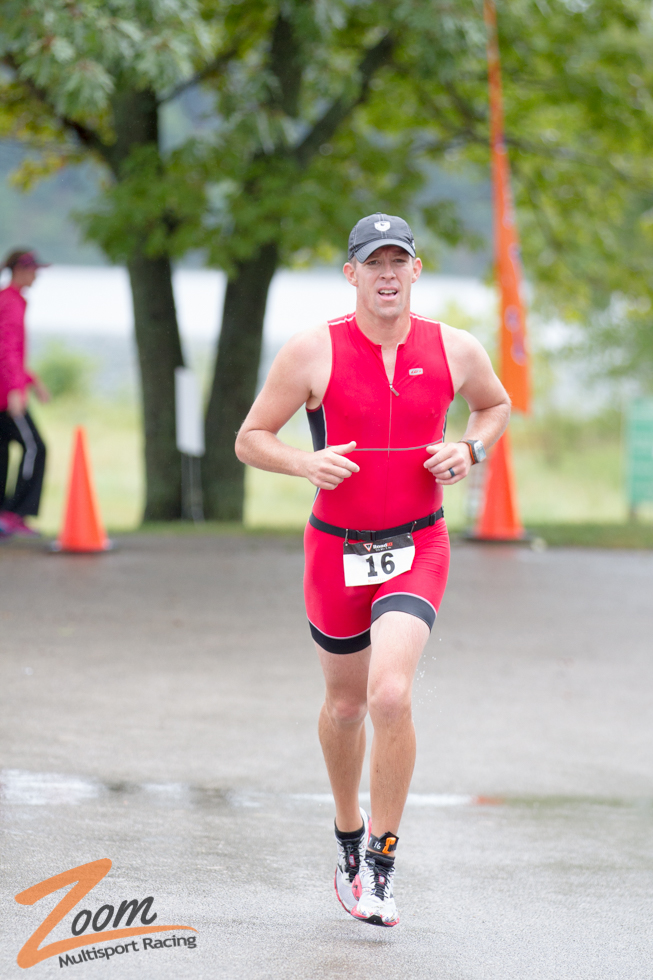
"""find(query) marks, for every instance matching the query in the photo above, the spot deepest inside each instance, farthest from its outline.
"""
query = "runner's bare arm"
(473, 376)
(298, 376)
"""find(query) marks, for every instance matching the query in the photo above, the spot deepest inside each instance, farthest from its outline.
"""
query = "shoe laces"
(351, 856)
(381, 876)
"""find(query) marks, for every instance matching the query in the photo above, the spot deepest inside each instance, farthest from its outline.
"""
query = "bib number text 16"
(387, 565)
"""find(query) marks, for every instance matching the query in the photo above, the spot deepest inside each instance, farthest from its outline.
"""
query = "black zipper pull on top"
(393, 391)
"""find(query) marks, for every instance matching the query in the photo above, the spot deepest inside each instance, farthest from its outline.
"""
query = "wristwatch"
(477, 450)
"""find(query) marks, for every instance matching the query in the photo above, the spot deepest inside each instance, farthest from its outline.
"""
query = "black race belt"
(387, 532)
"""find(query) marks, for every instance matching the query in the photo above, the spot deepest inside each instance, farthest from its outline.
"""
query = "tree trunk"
(234, 383)
(159, 353)
(136, 119)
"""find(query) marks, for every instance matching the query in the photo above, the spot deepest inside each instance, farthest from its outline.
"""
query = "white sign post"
(190, 441)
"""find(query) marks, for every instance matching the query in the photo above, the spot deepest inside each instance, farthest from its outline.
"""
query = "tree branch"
(212, 68)
(466, 109)
(471, 133)
(86, 136)
(326, 127)
(286, 65)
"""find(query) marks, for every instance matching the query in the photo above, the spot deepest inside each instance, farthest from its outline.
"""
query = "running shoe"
(350, 856)
(376, 904)
(6, 523)
(15, 524)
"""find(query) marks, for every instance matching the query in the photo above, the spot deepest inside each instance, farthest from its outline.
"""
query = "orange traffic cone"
(82, 527)
(499, 519)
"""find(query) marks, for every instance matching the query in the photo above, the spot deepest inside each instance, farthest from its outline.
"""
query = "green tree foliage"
(579, 99)
(87, 77)
(67, 62)
(326, 125)
(325, 110)
(348, 104)
(333, 129)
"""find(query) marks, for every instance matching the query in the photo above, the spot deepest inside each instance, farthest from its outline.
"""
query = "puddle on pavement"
(22, 788)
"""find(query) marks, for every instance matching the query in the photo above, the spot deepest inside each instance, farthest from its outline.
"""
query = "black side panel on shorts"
(317, 423)
(403, 602)
(336, 644)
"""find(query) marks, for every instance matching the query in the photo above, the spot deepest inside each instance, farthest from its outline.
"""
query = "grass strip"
(630, 535)
(582, 535)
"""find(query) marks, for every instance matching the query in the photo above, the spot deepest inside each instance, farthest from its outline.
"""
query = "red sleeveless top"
(391, 425)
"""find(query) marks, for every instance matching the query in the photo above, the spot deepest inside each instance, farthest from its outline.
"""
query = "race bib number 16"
(372, 563)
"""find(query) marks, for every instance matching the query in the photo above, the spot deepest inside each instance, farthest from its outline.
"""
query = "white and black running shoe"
(350, 855)
(376, 904)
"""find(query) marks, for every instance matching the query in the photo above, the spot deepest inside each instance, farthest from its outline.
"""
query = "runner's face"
(383, 280)
(23, 275)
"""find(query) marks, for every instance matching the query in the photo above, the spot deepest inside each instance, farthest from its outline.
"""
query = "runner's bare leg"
(342, 729)
(398, 640)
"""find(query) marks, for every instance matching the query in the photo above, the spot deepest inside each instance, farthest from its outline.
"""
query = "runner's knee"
(389, 700)
(346, 710)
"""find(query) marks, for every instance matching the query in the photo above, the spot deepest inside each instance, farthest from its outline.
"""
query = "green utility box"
(639, 448)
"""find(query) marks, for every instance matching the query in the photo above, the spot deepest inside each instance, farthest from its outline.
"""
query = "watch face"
(479, 451)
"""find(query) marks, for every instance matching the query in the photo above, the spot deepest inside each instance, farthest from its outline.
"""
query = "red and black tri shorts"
(340, 617)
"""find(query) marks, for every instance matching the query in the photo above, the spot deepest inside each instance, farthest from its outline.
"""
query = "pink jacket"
(12, 344)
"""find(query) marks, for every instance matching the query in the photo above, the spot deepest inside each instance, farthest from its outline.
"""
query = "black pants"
(29, 484)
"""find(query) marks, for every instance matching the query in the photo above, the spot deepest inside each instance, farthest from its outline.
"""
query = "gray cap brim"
(366, 250)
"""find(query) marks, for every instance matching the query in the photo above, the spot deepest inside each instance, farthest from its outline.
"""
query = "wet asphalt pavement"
(158, 708)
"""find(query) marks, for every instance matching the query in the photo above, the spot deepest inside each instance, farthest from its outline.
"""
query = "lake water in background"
(89, 309)
(83, 299)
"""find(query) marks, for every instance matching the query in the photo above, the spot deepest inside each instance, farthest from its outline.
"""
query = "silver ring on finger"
(452, 471)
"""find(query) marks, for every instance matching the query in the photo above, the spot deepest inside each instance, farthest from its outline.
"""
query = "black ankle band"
(349, 834)
(384, 846)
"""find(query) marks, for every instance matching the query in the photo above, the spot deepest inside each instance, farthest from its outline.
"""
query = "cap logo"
(381, 225)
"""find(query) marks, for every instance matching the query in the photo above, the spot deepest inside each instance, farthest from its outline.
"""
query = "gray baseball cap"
(379, 229)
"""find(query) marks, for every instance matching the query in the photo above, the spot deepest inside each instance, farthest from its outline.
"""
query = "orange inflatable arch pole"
(499, 519)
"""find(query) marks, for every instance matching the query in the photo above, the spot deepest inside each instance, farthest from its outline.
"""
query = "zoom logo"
(107, 924)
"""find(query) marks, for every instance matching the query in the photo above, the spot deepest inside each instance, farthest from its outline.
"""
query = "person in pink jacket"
(16, 424)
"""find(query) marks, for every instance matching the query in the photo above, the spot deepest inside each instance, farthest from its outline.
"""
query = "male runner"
(377, 385)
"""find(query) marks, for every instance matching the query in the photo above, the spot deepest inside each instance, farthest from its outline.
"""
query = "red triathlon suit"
(392, 424)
